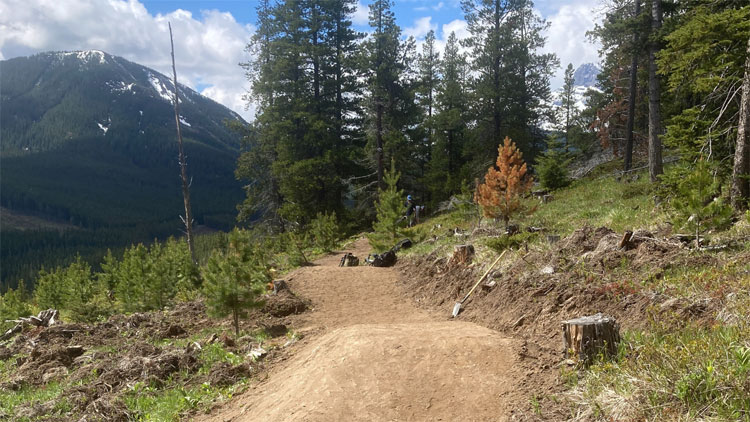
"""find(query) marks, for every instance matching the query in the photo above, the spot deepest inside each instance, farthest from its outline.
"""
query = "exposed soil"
(375, 356)
(582, 274)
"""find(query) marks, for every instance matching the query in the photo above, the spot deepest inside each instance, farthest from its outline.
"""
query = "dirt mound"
(419, 371)
(284, 303)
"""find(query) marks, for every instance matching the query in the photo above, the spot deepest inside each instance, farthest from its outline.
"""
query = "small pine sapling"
(234, 281)
(698, 205)
(324, 231)
(390, 213)
(552, 166)
(504, 184)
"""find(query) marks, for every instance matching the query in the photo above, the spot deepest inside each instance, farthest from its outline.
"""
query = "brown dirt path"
(379, 358)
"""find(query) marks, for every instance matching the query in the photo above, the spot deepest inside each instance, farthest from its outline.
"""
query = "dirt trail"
(379, 357)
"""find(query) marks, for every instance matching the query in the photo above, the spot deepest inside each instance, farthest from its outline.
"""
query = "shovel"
(457, 306)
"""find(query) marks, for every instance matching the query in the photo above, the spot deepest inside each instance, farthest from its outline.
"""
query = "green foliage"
(13, 304)
(73, 289)
(324, 231)
(499, 244)
(552, 165)
(234, 280)
(697, 204)
(390, 213)
(703, 61)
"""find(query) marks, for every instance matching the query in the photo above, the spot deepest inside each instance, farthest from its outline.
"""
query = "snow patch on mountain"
(160, 88)
(120, 86)
(86, 56)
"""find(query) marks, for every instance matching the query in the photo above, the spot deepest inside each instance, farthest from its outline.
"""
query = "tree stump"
(462, 254)
(587, 336)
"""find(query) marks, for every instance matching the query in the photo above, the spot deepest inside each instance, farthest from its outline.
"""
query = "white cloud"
(421, 27)
(566, 36)
(459, 26)
(207, 48)
(361, 15)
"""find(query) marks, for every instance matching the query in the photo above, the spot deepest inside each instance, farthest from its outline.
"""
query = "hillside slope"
(88, 139)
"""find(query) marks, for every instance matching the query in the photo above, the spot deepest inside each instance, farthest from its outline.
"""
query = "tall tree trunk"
(655, 167)
(188, 220)
(741, 173)
(496, 75)
(631, 94)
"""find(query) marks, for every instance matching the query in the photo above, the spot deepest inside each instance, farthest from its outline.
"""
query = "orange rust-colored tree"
(500, 194)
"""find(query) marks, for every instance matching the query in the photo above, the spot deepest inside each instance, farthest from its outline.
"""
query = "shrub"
(502, 243)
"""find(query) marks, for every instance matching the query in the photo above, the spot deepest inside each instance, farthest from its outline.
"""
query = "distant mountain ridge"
(89, 139)
(90, 93)
(585, 75)
(585, 79)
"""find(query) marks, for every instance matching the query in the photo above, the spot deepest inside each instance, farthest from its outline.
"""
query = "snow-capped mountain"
(90, 138)
(585, 79)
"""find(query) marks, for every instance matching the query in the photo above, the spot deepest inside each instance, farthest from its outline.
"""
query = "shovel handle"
(483, 276)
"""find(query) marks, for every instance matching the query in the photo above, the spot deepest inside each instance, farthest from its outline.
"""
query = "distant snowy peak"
(586, 74)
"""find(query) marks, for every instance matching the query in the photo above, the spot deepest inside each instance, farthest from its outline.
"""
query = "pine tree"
(511, 86)
(235, 280)
(390, 213)
(552, 166)
(568, 102)
(391, 108)
(655, 166)
(698, 203)
(500, 194)
(446, 171)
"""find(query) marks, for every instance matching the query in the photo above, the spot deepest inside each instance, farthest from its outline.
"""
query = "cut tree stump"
(625, 241)
(586, 337)
(462, 254)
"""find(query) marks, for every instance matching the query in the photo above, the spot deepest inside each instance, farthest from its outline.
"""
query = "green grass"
(150, 405)
(691, 373)
(213, 354)
(599, 202)
(9, 400)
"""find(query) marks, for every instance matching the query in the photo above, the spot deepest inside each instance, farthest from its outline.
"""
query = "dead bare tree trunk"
(631, 94)
(741, 173)
(188, 219)
(655, 167)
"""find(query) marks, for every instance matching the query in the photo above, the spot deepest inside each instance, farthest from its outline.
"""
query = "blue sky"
(211, 35)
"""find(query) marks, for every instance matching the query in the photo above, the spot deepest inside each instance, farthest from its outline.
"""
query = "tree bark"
(655, 167)
(182, 159)
(585, 337)
(631, 94)
(741, 173)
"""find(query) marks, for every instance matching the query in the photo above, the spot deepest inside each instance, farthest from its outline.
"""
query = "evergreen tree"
(552, 166)
(568, 102)
(235, 280)
(511, 86)
(698, 204)
(301, 147)
(505, 182)
(390, 213)
(655, 166)
(446, 171)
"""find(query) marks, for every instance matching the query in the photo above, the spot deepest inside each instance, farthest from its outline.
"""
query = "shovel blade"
(456, 309)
